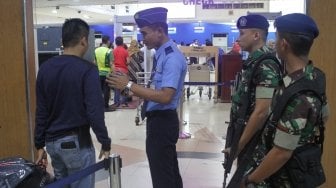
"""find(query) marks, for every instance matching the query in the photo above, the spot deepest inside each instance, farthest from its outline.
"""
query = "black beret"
(252, 21)
(150, 16)
(297, 23)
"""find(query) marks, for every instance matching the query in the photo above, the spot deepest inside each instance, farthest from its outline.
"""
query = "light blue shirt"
(170, 72)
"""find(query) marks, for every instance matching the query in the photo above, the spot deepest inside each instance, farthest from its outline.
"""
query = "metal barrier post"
(182, 133)
(115, 171)
(180, 109)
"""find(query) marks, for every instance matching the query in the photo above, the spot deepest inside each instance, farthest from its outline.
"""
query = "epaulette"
(169, 50)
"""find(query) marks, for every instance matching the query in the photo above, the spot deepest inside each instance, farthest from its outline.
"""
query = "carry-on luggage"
(20, 173)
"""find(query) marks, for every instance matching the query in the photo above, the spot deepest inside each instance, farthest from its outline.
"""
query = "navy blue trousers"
(162, 135)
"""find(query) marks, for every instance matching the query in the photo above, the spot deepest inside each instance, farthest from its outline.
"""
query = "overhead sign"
(198, 29)
(171, 30)
(198, 2)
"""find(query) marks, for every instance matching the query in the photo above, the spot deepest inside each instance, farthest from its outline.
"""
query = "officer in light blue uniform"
(168, 74)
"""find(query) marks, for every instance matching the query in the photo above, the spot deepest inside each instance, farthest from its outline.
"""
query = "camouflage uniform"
(296, 126)
(266, 78)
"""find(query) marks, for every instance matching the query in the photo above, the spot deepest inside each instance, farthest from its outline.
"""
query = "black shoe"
(124, 105)
(110, 109)
(114, 106)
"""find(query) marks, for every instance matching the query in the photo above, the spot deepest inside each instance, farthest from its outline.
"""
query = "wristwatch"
(129, 85)
(125, 92)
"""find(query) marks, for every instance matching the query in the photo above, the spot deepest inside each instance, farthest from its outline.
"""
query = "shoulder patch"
(169, 50)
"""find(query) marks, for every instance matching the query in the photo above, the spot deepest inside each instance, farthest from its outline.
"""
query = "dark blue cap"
(150, 16)
(297, 23)
(252, 21)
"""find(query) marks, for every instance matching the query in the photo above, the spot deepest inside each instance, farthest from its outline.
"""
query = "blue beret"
(297, 23)
(252, 21)
(150, 16)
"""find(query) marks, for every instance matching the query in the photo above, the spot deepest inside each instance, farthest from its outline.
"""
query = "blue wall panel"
(185, 32)
(104, 29)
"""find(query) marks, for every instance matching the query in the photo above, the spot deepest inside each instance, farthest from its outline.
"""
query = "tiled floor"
(199, 156)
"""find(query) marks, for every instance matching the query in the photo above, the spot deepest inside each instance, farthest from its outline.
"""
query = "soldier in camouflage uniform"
(253, 31)
(297, 124)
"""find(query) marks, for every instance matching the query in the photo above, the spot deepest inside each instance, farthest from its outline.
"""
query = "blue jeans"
(67, 161)
(118, 98)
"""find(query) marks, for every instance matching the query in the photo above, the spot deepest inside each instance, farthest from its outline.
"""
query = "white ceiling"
(93, 11)
(103, 11)
(48, 3)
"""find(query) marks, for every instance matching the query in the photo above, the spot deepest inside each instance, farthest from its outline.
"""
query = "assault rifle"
(245, 157)
(234, 132)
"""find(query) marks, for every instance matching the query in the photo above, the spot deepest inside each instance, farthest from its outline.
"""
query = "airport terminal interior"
(204, 110)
